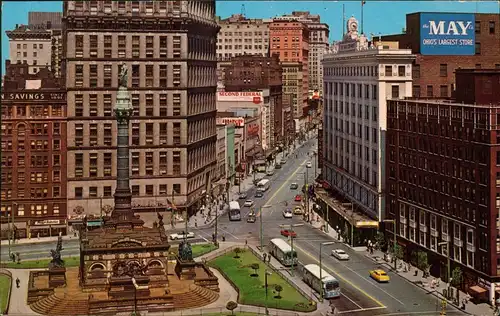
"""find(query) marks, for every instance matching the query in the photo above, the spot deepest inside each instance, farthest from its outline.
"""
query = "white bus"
(234, 211)
(282, 251)
(263, 185)
(330, 285)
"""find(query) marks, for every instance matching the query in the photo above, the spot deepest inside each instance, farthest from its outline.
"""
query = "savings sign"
(447, 34)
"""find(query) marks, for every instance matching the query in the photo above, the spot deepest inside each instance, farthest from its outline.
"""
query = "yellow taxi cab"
(298, 210)
(379, 275)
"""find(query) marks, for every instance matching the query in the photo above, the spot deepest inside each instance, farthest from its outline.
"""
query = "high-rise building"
(239, 35)
(443, 179)
(290, 41)
(173, 128)
(254, 72)
(318, 44)
(358, 81)
(38, 44)
(33, 152)
(435, 65)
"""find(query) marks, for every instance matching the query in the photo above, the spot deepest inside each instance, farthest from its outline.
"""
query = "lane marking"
(363, 278)
(361, 310)
(285, 183)
(225, 231)
(361, 307)
(341, 277)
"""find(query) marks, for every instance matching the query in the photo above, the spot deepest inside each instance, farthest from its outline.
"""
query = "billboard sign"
(237, 121)
(243, 96)
(447, 34)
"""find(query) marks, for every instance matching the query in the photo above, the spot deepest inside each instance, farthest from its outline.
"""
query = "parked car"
(277, 166)
(298, 198)
(270, 172)
(340, 254)
(248, 203)
(287, 214)
(298, 210)
(243, 196)
(288, 233)
(308, 164)
(181, 235)
(251, 218)
(259, 194)
(294, 186)
(283, 161)
(379, 275)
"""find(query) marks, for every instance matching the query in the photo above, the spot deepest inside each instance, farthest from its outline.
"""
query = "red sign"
(253, 130)
(256, 100)
(237, 121)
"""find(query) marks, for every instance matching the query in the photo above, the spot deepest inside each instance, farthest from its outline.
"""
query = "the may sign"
(447, 34)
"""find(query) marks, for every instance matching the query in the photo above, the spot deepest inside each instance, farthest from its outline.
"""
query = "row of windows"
(35, 177)
(35, 193)
(36, 161)
(31, 110)
(25, 46)
(32, 210)
(358, 71)
(137, 190)
(351, 90)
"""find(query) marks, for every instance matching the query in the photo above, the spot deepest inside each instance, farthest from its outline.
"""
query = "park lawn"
(252, 289)
(235, 314)
(42, 263)
(5, 284)
(198, 249)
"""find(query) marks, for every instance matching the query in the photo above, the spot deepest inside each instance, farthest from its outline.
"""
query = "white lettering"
(452, 28)
(436, 29)
(464, 27)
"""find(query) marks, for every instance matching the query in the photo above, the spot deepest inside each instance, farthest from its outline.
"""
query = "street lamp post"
(395, 239)
(321, 267)
(306, 194)
(291, 243)
(262, 227)
(448, 272)
(265, 281)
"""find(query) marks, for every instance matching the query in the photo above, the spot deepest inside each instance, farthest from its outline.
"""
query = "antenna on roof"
(243, 10)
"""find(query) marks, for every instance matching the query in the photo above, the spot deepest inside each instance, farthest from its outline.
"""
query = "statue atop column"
(123, 80)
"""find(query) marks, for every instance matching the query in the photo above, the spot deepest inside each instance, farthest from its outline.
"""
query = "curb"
(433, 292)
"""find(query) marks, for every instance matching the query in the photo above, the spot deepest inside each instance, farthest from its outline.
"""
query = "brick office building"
(443, 179)
(254, 72)
(33, 152)
(433, 75)
(290, 41)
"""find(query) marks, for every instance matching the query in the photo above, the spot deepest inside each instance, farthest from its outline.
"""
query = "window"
(78, 165)
(443, 91)
(163, 103)
(78, 75)
(108, 75)
(395, 92)
(443, 70)
(401, 71)
(478, 48)
(93, 45)
(108, 46)
(122, 46)
(492, 27)
(136, 137)
(108, 134)
(177, 133)
(176, 188)
(150, 190)
(93, 136)
(149, 163)
(136, 46)
(176, 104)
(176, 46)
(430, 91)
(135, 163)
(78, 192)
(163, 189)
(107, 191)
(93, 164)
(135, 190)
(163, 162)
(149, 133)
(78, 105)
(163, 133)
(149, 75)
(149, 46)
(388, 71)
(149, 105)
(416, 91)
(176, 162)
(416, 71)
(78, 46)
(163, 46)
(176, 75)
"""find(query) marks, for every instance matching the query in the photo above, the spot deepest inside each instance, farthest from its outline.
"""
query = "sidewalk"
(425, 283)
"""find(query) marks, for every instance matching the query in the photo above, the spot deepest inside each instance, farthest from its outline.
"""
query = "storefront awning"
(477, 289)
(19, 225)
(94, 223)
(47, 226)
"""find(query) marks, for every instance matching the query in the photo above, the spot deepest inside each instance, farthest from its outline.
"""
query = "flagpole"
(343, 19)
(362, 5)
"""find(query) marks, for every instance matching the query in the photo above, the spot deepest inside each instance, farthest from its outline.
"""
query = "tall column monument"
(122, 215)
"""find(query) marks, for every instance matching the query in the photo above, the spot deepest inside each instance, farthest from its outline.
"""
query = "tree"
(256, 267)
(237, 252)
(380, 240)
(456, 280)
(422, 260)
(397, 252)
(278, 288)
(231, 306)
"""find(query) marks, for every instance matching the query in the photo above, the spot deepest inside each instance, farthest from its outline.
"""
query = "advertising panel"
(447, 34)
(244, 96)
(237, 121)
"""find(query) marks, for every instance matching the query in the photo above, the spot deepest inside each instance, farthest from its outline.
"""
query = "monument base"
(57, 277)
(185, 270)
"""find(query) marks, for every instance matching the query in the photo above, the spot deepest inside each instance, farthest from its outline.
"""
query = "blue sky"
(392, 21)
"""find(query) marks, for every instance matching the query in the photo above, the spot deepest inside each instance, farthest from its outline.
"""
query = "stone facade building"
(173, 128)
(33, 190)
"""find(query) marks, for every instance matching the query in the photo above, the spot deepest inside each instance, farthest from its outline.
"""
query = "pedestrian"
(265, 256)
(223, 237)
(196, 223)
(18, 282)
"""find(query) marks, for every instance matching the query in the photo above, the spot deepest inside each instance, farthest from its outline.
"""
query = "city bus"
(282, 251)
(263, 185)
(331, 287)
(234, 211)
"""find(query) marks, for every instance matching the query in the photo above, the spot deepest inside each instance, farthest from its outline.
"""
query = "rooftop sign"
(246, 96)
(447, 34)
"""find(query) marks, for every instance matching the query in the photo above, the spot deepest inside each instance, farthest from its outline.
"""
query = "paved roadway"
(360, 294)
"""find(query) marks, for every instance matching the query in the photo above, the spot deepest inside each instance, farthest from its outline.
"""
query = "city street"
(360, 294)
